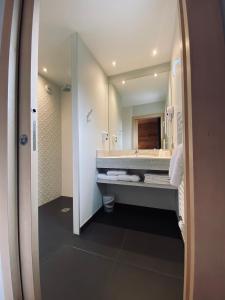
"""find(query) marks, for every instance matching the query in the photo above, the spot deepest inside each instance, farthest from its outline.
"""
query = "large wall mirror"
(137, 111)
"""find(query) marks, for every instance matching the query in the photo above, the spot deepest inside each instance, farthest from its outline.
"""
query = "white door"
(28, 196)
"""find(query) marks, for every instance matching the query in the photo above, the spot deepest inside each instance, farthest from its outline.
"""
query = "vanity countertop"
(139, 156)
(138, 162)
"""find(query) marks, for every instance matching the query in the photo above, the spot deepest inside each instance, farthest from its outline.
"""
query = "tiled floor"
(133, 254)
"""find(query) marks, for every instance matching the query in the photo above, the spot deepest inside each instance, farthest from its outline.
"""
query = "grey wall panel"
(155, 198)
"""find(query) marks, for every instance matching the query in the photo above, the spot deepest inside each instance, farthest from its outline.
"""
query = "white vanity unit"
(162, 196)
(138, 162)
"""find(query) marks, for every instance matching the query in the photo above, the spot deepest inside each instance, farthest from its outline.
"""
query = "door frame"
(204, 93)
(197, 279)
(28, 157)
(9, 232)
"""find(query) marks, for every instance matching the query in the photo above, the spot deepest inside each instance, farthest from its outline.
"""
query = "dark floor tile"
(51, 214)
(155, 221)
(100, 238)
(55, 227)
(130, 283)
(131, 241)
(72, 274)
(51, 240)
(153, 252)
(55, 230)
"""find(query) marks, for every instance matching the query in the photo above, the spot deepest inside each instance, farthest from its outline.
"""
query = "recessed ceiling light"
(123, 82)
(155, 75)
(154, 52)
(114, 63)
(45, 70)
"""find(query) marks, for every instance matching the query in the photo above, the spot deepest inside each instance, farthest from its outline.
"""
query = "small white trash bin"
(108, 202)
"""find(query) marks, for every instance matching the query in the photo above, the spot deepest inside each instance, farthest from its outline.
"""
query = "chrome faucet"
(136, 152)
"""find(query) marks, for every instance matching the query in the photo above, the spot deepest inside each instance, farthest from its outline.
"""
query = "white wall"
(135, 111)
(66, 138)
(91, 94)
(127, 127)
(115, 119)
(175, 89)
(150, 108)
(49, 142)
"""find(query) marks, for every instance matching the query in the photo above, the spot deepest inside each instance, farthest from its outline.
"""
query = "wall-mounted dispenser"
(174, 65)
(105, 136)
(88, 117)
(48, 89)
(169, 113)
(114, 139)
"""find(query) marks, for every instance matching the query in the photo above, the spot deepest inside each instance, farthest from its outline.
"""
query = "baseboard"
(90, 219)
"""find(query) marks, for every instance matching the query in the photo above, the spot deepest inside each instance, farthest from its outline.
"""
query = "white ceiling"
(144, 90)
(123, 30)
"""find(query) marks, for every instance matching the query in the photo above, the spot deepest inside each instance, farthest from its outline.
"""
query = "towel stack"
(119, 175)
(107, 177)
(176, 170)
(116, 172)
(132, 178)
(156, 178)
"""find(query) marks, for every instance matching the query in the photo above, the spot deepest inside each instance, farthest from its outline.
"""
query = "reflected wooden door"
(149, 135)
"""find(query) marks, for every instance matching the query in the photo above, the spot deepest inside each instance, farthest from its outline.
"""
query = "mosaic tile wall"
(49, 141)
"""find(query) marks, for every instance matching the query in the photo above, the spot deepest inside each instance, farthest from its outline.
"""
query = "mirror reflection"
(137, 110)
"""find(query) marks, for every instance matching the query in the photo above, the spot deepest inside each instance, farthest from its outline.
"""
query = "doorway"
(148, 132)
(110, 243)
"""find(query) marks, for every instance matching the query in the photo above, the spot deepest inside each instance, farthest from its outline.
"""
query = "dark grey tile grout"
(153, 271)
(93, 253)
(143, 268)
(115, 259)
(117, 262)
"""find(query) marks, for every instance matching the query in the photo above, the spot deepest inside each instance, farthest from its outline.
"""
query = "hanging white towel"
(116, 172)
(172, 161)
(107, 177)
(177, 167)
(182, 228)
(132, 178)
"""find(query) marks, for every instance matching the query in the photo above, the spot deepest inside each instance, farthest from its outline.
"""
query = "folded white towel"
(157, 180)
(177, 167)
(107, 177)
(132, 178)
(157, 176)
(116, 172)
